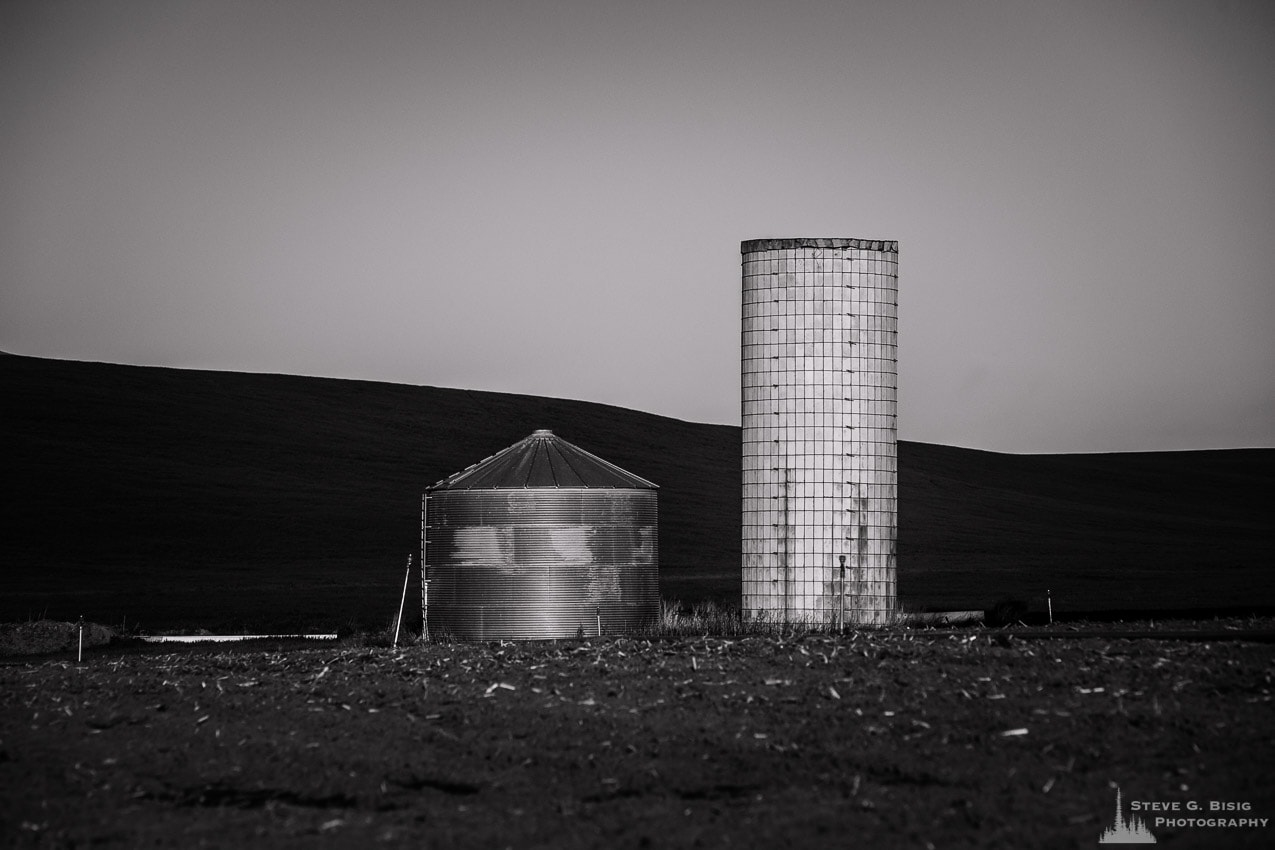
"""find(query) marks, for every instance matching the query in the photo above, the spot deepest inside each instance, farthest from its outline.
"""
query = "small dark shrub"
(1005, 612)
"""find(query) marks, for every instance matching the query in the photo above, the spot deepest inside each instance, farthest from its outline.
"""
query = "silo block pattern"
(820, 468)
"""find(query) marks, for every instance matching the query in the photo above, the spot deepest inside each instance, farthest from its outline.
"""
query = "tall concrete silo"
(541, 540)
(820, 471)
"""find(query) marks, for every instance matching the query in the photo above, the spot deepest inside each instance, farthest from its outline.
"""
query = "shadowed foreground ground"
(894, 739)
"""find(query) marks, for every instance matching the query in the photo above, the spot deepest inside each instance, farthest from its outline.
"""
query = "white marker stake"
(79, 657)
(1049, 600)
(399, 624)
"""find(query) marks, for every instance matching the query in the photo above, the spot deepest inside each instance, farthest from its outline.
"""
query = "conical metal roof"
(543, 460)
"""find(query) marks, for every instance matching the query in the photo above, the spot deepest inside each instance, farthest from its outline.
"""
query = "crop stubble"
(880, 739)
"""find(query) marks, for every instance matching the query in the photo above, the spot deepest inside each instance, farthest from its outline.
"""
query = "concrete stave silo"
(542, 540)
(819, 403)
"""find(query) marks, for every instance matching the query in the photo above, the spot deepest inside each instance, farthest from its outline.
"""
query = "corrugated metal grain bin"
(542, 540)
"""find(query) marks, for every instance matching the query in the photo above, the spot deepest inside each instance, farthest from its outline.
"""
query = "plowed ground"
(876, 740)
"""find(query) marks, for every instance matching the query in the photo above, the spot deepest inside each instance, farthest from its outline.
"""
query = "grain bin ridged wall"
(541, 541)
(819, 396)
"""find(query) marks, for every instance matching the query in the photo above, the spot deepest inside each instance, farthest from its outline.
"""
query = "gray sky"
(548, 198)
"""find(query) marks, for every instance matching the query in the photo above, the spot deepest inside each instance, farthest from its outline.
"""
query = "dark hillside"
(242, 500)
(171, 494)
(1153, 531)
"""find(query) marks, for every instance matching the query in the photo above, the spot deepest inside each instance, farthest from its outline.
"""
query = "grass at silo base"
(889, 738)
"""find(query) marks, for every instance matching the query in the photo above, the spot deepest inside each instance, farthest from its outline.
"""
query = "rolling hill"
(228, 500)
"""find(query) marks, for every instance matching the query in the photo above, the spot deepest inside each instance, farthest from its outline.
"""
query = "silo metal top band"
(753, 245)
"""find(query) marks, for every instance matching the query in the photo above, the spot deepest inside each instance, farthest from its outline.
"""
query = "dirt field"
(879, 740)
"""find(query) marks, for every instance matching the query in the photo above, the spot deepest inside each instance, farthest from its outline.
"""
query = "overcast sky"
(548, 198)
